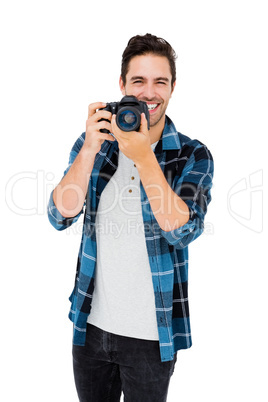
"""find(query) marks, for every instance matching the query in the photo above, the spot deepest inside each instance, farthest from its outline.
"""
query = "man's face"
(149, 79)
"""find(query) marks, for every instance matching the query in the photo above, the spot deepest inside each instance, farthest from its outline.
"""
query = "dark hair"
(140, 45)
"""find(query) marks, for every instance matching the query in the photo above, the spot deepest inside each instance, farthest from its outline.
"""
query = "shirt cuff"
(185, 234)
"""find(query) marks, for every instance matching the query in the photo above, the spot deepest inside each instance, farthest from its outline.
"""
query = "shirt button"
(130, 191)
(132, 177)
(134, 165)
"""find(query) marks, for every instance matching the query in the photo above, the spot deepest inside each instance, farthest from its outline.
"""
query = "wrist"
(146, 161)
(85, 159)
(88, 152)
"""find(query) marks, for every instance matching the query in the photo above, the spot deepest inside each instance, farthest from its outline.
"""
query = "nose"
(149, 91)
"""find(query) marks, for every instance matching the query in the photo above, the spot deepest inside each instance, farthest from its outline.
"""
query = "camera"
(128, 113)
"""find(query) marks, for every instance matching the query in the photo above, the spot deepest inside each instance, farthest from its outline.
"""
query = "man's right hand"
(94, 137)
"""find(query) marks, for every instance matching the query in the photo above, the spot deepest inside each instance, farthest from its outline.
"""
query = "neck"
(157, 130)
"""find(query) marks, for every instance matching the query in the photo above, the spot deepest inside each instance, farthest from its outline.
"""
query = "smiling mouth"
(152, 106)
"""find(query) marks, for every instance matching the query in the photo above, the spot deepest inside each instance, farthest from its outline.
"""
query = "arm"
(193, 185)
(180, 210)
(70, 194)
(170, 211)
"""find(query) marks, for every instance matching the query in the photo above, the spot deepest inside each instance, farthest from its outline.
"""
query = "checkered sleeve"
(194, 187)
(58, 221)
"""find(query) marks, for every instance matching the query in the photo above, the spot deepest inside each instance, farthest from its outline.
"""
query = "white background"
(59, 56)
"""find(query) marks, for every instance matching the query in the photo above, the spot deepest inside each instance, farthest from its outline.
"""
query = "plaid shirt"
(188, 167)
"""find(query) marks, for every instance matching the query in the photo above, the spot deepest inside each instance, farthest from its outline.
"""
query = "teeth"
(152, 106)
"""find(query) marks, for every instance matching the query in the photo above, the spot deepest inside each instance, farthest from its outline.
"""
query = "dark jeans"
(109, 364)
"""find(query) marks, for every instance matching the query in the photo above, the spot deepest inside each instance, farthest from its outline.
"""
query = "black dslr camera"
(128, 113)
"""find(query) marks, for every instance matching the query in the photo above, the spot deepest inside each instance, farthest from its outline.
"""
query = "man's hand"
(70, 193)
(136, 145)
(94, 137)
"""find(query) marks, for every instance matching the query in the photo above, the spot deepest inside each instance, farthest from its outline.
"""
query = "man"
(145, 195)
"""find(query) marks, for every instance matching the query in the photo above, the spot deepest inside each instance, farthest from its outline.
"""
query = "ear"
(121, 85)
(173, 87)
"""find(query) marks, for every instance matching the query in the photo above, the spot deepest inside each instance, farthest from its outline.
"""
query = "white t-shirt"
(123, 301)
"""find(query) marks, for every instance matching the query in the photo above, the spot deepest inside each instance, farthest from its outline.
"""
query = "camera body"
(128, 113)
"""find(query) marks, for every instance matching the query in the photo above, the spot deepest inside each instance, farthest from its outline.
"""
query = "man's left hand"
(135, 145)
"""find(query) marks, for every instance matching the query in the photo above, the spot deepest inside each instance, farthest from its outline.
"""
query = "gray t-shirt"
(123, 300)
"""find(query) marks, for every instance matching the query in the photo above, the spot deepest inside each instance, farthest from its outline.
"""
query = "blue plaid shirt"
(188, 167)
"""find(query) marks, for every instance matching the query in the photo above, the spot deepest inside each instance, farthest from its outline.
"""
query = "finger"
(120, 134)
(114, 126)
(144, 124)
(115, 129)
(102, 114)
(95, 106)
(104, 124)
(107, 137)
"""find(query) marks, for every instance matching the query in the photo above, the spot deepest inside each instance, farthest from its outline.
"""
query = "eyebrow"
(140, 77)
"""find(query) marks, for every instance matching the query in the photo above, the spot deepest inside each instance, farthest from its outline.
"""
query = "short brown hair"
(140, 45)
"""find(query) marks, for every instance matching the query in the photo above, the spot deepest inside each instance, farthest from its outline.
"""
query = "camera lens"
(127, 120)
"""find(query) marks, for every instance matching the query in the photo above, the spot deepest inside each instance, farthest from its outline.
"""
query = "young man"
(145, 195)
